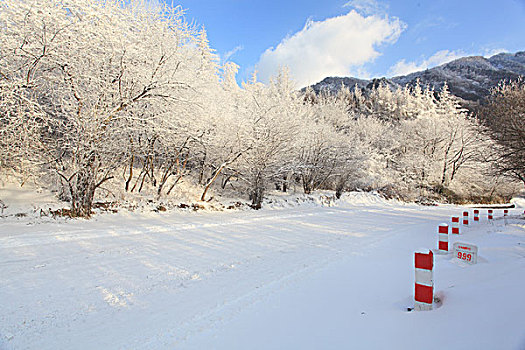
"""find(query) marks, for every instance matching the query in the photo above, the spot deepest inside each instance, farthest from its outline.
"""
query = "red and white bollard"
(424, 292)
(476, 215)
(490, 215)
(455, 225)
(505, 212)
(443, 238)
(465, 218)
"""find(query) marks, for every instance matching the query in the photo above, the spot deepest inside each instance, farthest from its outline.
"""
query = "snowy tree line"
(121, 94)
(505, 117)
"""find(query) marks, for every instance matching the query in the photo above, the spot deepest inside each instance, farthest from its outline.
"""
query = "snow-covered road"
(307, 277)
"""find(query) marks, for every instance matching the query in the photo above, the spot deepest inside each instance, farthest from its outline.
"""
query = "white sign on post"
(466, 252)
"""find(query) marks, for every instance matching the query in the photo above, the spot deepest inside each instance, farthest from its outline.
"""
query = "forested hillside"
(469, 78)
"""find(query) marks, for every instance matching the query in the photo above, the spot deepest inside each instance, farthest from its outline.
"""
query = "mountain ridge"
(470, 78)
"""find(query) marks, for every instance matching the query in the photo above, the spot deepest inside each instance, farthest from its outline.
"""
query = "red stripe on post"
(424, 294)
(443, 229)
(455, 230)
(424, 261)
(443, 245)
(455, 219)
(424, 286)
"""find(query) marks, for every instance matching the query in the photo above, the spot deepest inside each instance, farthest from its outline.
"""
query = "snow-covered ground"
(308, 277)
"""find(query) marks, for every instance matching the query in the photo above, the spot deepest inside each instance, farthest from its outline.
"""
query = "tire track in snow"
(140, 273)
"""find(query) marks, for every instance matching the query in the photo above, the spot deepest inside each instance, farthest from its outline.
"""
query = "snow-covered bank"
(30, 201)
(308, 277)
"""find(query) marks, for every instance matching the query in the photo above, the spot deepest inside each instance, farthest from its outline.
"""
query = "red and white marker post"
(476, 215)
(424, 290)
(505, 212)
(455, 225)
(465, 218)
(443, 238)
(490, 215)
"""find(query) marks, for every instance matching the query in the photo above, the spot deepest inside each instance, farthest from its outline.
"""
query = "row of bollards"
(424, 260)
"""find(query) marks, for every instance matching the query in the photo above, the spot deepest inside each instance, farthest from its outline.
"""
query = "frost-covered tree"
(272, 117)
(465, 142)
(20, 148)
(505, 117)
(327, 152)
(98, 69)
(225, 137)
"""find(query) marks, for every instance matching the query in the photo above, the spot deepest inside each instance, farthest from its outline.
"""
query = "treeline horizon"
(117, 94)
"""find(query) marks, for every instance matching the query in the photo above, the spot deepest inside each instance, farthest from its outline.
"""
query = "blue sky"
(363, 38)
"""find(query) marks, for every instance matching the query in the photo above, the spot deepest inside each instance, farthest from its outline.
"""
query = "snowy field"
(310, 277)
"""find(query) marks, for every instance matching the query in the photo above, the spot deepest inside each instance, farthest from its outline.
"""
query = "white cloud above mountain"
(336, 46)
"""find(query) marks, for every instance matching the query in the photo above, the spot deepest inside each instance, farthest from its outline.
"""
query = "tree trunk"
(257, 193)
(83, 192)
(130, 177)
(340, 186)
(216, 174)
(307, 184)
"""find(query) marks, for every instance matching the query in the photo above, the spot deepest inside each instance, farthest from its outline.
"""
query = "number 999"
(464, 256)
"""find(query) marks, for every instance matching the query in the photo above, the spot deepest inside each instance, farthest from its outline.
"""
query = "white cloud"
(367, 7)
(403, 67)
(332, 47)
(232, 52)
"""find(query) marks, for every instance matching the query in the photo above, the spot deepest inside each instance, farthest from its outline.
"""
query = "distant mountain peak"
(469, 78)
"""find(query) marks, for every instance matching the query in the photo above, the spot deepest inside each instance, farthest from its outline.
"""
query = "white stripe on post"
(443, 238)
(465, 218)
(424, 286)
(455, 225)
